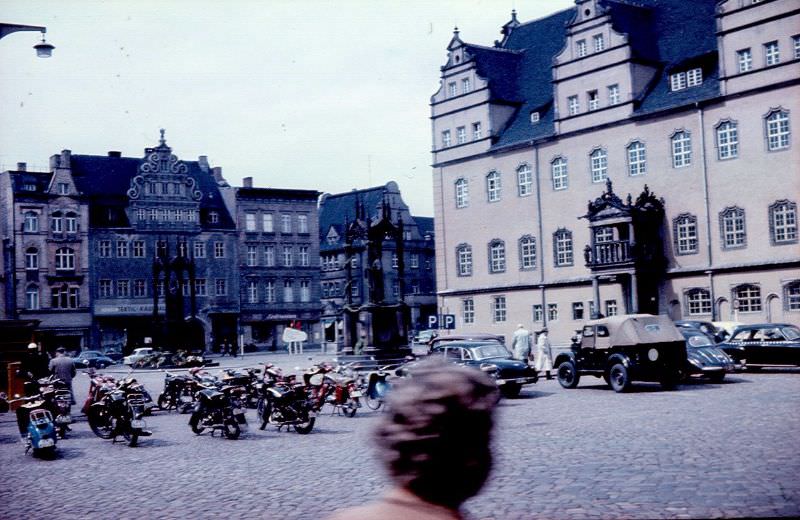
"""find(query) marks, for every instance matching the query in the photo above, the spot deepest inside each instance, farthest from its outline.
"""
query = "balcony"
(616, 253)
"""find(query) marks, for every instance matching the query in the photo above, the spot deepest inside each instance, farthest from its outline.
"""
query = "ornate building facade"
(345, 282)
(676, 122)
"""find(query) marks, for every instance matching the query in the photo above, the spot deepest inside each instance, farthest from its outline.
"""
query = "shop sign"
(127, 309)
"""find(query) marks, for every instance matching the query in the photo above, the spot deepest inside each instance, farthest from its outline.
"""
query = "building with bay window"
(676, 121)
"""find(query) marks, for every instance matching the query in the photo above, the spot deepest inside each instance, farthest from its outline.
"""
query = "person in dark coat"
(63, 368)
(33, 367)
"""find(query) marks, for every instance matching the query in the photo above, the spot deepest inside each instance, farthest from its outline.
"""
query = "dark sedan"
(704, 358)
(92, 359)
(764, 344)
(493, 358)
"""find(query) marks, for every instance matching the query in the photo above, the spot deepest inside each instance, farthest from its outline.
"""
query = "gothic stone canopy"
(609, 206)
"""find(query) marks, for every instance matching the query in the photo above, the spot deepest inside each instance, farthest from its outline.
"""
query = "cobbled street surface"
(702, 451)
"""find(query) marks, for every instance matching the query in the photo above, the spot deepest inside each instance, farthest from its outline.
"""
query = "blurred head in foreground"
(435, 439)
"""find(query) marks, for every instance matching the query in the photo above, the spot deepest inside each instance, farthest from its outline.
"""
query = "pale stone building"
(689, 108)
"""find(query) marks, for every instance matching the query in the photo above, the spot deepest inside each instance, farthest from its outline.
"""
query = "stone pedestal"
(380, 331)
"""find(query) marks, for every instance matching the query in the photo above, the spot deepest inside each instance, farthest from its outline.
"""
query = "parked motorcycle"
(284, 402)
(58, 401)
(247, 378)
(219, 408)
(377, 389)
(335, 386)
(178, 394)
(120, 413)
(37, 420)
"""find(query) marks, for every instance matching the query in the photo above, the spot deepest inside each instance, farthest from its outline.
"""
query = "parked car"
(626, 348)
(478, 336)
(138, 354)
(114, 354)
(491, 357)
(725, 328)
(425, 336)
(704, 358)
(92, 359)
(764, 344)
(705, 327)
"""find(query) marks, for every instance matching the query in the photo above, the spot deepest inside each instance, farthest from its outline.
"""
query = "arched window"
(727, 140)
(562, 248)
(464, 260)
(71, 221)
(56, 222)
(684, 234)
(462, 193)
(732, 228)
(524, 181)
(747, 297)
(493, 186)
(598, 164)
(791, 296)
(32, 298)
(637, 158)
(497, 256)
(527, 253)
(777, 130)
(681, 142)
(65, 259)
(698, 301)
(783, 222)
(31, 258)
(558, 169)
(30, 222)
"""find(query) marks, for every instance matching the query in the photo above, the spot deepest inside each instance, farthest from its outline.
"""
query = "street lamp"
(43, 49)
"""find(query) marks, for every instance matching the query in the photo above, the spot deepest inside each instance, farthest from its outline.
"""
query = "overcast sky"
(326, 95)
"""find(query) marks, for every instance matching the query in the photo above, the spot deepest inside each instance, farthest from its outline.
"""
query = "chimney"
(22, 167)
(247, 182)
(216, 171)
(64, 162)
(114, 153)
(203, 162)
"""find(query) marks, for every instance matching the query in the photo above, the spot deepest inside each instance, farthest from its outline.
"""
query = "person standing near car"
(521, 344)
(544, 353)
(63, 367)
(436, 444)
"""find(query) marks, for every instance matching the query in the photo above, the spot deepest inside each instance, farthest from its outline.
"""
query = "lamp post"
(43, 49)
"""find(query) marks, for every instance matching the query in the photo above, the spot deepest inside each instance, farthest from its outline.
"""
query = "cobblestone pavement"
(705, 450)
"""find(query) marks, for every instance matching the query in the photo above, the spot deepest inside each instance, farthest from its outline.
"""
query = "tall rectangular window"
(580, 48)
(577, 311)
(677, 81)
(563, 248)
(552, 312)
(694, 77)
(499, 309)
(452, 89)
(733, 228)
(305, 291)
(250, 221)
(288, 291)
(287, 256)
(637, 158)
(497, 257)
(796, 46)
(783, 222)
(524, 180)
(200, 288)
(252, 292)
(573, 104)
(104, 289)
(593, 100)
(302, 223)
(727, 140)
(468, 310)
(122, 249)
(219, 250)
(527, 253)
(414, 261)
(744, 60)
(778, 130)
(493, 186)
(123, 289)
(104, 248)
(466, 86)
(269, 291)
(139, 289)
(446, 139)
(269, 256)
(464, 260)
(611, 307)
(599, 42)
(252, 256)
(476, 131)
(266, 223)
(558, 169)
(303, 256)
(462, 193)
(71, 222)
(686, 234)
(538, 313)
(461, 135)
(220, 287)
(199, 249)
(772, 54)
(599, 165)
(286, 223)
(681, 149)
(138, 249)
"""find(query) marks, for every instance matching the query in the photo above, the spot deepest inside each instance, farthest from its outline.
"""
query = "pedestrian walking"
(544, 353)
(435, 444)
(521, 344)
(63, 368)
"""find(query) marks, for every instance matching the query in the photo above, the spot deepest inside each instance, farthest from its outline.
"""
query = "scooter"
(41, 428)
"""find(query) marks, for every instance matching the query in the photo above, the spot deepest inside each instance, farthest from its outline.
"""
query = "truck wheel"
(618, 377)
(568, 375)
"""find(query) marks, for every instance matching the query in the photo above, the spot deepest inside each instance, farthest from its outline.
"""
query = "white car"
(138, 354)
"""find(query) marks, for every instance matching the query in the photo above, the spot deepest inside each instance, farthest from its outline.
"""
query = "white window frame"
(698, 301)
(252, 256)
(32, 301)
(637, 158)
(199, 249)
(65, 259)
(573, 105)
(493, 186)
(783, 222)
(269, 291)
(462, 193)
(563, 248)
(613, 95)
(686, 239)
(744, 60)
(303, 257)
(558, 171)
(694, 77)
(288, 291)
(267, 223)
(452, 89)
(446, 140)
(287, 256)
(593, 100)
(772, 53)
(252, 291)
(599, 42)
(286, 223)
(476, 131)
(497, 256)
(461, 134)
(537, 312)
(30, 222)
(220, 287)
(305, 291)
(219, 250)
(31, 259)
(748, 297)
(250, 222)
(796, 47)
(524, 180)
(677, 81)
(468, 310)
(733, 228)
(681, 146)
(552, 312)
(598, 165)
(611, 307)
(580, 48)
(464, 260)
(499, 309)
(778, 132)
(527, 253)
(727, 134)
(466, 86)
(302, 223)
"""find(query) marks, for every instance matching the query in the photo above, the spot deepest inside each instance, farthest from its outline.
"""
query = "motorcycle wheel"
(306, 427)
(374, 402)
(350, 407)
(163, 402)
(232, 430)
(101, 422)
(194, 422)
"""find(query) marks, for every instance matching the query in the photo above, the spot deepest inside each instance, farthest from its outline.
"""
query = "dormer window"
(580, 47)
(599, 42)
(466, 86)
(63, 188)
(213, 217)
(534, 117)
(682, 80)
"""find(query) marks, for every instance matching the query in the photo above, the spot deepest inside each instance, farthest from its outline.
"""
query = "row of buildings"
(109, 251)
(676, 121)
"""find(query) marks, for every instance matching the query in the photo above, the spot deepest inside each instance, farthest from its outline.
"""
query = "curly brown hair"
(435, 439)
